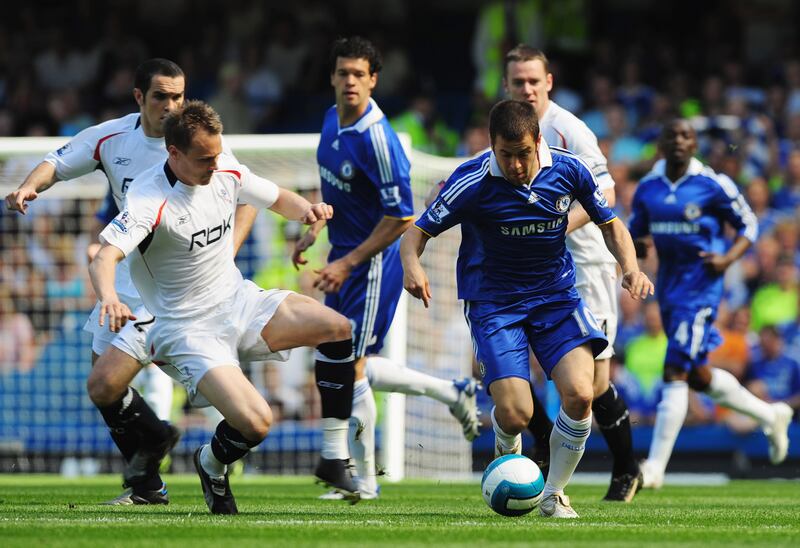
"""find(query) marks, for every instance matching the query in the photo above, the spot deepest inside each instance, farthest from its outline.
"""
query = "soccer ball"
(512, 485)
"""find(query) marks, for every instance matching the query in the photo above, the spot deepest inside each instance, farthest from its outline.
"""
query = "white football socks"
(210, 464)
(386, 376)
(728, 392)
(362, 436)
(567, 444)
(156, 390)
(508, 443)
(670, 414)
(334, 439)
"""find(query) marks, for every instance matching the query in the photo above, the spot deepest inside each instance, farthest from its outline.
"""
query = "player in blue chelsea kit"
(515, 200)
(365, 176)
(684, 205)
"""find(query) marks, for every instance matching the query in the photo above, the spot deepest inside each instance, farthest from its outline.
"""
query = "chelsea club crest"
(692, 211)
(346, 170)
(562, 204)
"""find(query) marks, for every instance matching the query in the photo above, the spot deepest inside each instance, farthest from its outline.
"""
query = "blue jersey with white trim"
(513, 237)
(364, 174)
(685, 218)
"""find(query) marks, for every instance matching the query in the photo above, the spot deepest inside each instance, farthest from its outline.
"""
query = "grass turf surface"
(42, 510)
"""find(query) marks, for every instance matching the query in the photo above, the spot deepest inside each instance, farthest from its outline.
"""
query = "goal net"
(46, 418)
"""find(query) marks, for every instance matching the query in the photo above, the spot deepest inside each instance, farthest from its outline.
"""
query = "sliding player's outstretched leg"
(458, 395)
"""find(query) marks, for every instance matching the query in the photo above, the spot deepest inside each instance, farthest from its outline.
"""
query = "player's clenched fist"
(638, 284)
(317, 212)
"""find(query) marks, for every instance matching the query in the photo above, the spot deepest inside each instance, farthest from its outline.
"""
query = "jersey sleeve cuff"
(428, 234)
(611, 220)
(404, 218)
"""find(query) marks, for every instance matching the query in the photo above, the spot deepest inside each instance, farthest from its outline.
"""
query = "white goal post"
(418, 437)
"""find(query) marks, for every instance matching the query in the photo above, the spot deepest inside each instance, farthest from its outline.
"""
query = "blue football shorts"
(368, 298)
(690, 335)
(502, 333)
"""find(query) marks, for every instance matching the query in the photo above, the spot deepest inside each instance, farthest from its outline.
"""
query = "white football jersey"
(179, 238)
(121, 150)
(561, 128)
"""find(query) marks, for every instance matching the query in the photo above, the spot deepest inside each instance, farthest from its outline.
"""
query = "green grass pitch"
(42, 510)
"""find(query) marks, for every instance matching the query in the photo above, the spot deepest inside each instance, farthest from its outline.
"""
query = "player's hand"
(15, 201)
(715, 262)
(317, 212)
(432, 195)
(302, 244)
(415, 281)
(638, 284)
(118, 314)
(331, 278)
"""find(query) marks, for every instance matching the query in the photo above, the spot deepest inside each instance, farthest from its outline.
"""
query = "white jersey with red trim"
(120, 149)
(180, 238)
(560, 128)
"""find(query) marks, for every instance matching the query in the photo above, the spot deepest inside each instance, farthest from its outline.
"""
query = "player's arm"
(307, 240)
(40, 179)
(620, 244)
(577, 216)
(385, 233)
(733, 209)
(296, 208)
(242, 224)
(415, 281)
(719, 262)
(102, 271)
(617, 238)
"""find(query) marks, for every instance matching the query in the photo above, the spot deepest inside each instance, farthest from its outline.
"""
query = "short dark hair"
(524, 52)
(154, 67)
(181, 125)
(356, 47)
(513, 120)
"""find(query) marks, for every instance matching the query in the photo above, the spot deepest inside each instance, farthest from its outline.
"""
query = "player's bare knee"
(577, 402)
(512, 418)
(340, 329)
(102, 386)
(256, 425)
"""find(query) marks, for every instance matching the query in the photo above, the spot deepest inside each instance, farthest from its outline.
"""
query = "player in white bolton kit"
(177, 228)
(528, 78)
(123, 148)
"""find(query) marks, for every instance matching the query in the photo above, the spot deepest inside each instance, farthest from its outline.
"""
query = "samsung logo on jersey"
(674, 228)
(533, 228)
(329, 177)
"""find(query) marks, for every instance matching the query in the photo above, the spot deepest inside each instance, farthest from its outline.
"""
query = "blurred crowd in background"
(623, 67)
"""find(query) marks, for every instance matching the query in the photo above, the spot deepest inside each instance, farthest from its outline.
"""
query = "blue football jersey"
(685, 218)
(365, 175)
(513, 237)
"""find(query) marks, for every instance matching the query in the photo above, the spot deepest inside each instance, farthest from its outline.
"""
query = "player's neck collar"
(371, 116)
(695, 168)
(545, 160)
(171, 177)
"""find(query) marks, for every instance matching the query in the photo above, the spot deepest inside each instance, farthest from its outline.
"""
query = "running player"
(684, 206)
(515, 201)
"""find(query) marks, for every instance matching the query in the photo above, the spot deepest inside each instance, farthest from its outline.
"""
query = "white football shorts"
(597, 285)
(187, 349)
(130, 339)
